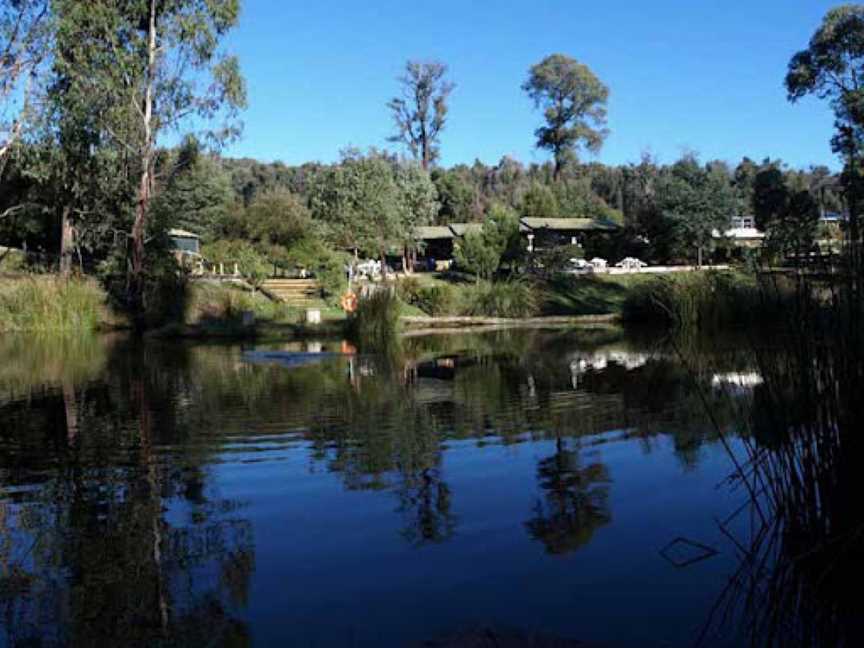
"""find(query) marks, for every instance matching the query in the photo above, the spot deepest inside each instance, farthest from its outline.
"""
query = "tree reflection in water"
(112, 526)
(574, 502)
(103, 538)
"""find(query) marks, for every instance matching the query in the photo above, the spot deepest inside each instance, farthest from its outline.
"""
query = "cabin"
(543, 233)
(183, 242)
(437, 242)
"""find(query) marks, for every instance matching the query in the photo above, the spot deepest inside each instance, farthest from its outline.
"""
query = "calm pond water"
(527, 482)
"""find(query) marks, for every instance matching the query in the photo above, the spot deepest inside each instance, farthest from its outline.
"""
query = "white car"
(631, 263)
(599, 264)
(578, 266)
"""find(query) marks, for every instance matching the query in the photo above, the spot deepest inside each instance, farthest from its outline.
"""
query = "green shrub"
(218, 302)
(408, 289)
(376, 321)
(703, 299)
(327, 266)
(249, 262)
(51, 304)
(437, 300)
(12, 261)
(504, 299)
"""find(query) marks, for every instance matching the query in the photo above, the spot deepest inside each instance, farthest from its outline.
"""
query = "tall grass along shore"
(47, 303)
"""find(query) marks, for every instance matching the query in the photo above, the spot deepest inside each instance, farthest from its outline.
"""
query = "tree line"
(90, 91)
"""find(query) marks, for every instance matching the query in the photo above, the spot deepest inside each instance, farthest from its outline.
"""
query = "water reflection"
(574, 502)
(123, 516)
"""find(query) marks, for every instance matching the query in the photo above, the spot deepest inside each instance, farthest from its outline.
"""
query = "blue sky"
(703, 75)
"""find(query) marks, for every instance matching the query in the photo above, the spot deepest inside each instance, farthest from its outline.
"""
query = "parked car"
(578, 266)
(599, 264)
(631, 263)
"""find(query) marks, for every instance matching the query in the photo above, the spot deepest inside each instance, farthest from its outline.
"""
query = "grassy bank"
(214, 309)
(706, 300)
(449, 295)
(48, 303)
(688, 299)
(12, 261)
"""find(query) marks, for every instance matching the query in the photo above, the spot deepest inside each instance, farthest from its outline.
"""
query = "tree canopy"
(420, 114)
(573, 101)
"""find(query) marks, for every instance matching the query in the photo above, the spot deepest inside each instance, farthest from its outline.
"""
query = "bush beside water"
(219, 302)
(704, 299)
(376, 320)
(514, 299)
(490, 299)
(51, 304)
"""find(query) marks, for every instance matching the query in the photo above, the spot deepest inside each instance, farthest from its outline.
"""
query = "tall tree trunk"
(70, 404)
(153, 507)
(67, 241)
(145, 184)
(424, 146)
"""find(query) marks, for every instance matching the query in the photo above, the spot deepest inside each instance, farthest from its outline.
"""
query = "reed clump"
(514, 299)
(376, 321)
(801, 471)
(51, 304)
(703, 299)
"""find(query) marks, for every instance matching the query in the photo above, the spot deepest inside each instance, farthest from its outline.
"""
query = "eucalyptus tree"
(418, 205)
(832, 68)
(149, 67)
(25, 28)
(196, 192)
(573, 101)
(358, 204)
(695, 200)
(420, 114)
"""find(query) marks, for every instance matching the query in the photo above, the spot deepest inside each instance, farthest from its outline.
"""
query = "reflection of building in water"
(581, 362)
(738, 383)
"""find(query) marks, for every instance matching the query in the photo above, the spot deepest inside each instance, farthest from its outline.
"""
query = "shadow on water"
(116, 523)
(799, 531)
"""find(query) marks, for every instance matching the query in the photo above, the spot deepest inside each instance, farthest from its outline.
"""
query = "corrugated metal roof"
(432, 232)
(461, 229)
(178, 233)
(569, 224)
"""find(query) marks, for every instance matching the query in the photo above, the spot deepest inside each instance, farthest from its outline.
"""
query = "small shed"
(435, 242)
(183, 242)
(461, 229)
(562, 231)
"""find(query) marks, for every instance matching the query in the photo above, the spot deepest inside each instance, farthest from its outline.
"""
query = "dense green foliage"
(831, 68)
(707, 300)
(484, 252)
(694, 201)
(87, 185)
(44, 303)
(502, 299)
(573, 101)
(375, 323)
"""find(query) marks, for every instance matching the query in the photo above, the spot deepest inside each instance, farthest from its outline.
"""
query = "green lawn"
(570, 295)
(590, 295)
